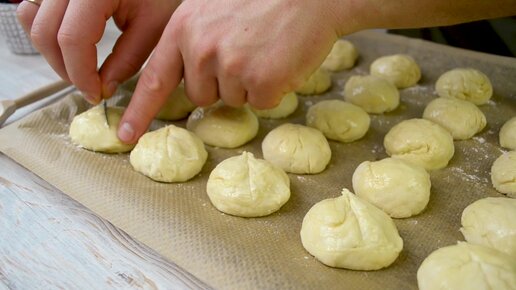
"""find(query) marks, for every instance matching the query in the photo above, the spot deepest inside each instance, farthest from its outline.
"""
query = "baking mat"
(178, 221)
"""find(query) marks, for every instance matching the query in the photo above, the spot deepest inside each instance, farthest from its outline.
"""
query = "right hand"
(66, 32)
(236, 50)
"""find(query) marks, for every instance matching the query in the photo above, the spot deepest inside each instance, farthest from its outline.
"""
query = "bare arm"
(353, 15)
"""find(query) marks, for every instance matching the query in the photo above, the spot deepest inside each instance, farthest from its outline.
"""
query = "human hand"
(239, 50)
(65, 32)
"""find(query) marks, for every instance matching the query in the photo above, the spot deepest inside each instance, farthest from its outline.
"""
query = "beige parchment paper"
(179, 222)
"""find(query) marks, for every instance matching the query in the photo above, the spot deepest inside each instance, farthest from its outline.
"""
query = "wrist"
(350, 16)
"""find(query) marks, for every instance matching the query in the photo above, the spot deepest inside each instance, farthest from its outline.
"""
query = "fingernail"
(126, 132)
(90, 99)
(110, 89)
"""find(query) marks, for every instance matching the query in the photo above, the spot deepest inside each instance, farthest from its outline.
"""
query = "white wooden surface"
(49, 241)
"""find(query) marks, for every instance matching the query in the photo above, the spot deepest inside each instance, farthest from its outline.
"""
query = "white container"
(17, 40)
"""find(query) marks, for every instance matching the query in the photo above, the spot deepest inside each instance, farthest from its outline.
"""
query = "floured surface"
(178, 221)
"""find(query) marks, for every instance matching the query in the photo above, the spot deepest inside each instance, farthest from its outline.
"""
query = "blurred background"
(497, 36)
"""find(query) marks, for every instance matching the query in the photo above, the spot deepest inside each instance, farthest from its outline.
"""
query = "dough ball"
(461, 118)
(508, 134)
(338, 120)
(348, 232)
(248, 187)
(400, 69)
(373, 94)
(342, 56)
(466, 266)
(297, 149)
(223, 126)
(177, 107)
(399, 188)
(421, 142)
(503, 173)
(170, 154)
(491, 222)
(318, 83)
(286, 107)
(90, 130)
(466, 84)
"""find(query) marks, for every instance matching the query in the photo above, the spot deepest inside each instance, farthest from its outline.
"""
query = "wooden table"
(48, 240)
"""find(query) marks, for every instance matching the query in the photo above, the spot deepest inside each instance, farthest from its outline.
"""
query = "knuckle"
(24, 16)
(259, 80)
(232, 66)
(204, 57)
(150, 82)
(39, 35)
(67, 39)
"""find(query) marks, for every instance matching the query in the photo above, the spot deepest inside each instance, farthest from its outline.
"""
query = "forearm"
(353, 15)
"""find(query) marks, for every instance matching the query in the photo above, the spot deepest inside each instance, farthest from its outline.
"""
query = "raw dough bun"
(170, 154)
(465, 84)
(223, 126)
(400, 69)
(177, 107)
(421, 142)
(503, 174)
(491, 222)
(348, 232)
(90, 130)
(248, 187)
(286, 107)
(338, 120)
(466, 266)
(318, 83)
(508, 134)
(461, 118)
(373, 94)
(297, 149)
(397, 187)
(342, 56)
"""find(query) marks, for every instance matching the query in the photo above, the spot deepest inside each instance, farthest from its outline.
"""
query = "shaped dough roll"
(373, 94)
(248, 187)
(286, 107)
(338, 120)
(400, 69)
(465, 84)
(503, 173)
(318, 83)
(421, 142)
(491, 222)
(343, 55)
(223, 126)
(508, 134)
(467, 266)
(348, 232)
(169, 154)
(399, 188)
(461, 118)
(297, 149)
(177, 107)
(91, 131)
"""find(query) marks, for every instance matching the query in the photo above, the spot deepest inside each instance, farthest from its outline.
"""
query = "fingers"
(264, 91)
(130, 52)
(82, 27)
(200, 86)
(26, 13)
(231, 91)
(162, 74)
(264, 99)
(44, 33)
